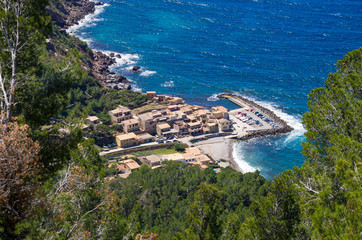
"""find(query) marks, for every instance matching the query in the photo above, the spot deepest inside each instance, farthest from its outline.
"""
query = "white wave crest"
(136, 88)
(87, 21)
(243, 165)
(147, 73)
(126, 59)
(213, 98)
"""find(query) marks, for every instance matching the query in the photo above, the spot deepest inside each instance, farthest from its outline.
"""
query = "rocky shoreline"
(67, 14)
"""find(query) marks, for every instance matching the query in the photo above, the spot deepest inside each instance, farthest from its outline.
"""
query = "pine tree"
(23, 24)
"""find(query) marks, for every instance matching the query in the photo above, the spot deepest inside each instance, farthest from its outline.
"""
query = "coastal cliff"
(66, 14)
(69, 13)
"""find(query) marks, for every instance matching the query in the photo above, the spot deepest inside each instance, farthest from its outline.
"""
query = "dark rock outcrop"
(136, 68)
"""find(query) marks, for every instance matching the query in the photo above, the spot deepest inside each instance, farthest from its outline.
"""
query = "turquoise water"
(272, 51)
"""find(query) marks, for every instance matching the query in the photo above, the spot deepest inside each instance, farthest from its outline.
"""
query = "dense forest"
(52, 179)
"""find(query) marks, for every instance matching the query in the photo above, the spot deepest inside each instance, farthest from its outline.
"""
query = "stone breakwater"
(242, 102)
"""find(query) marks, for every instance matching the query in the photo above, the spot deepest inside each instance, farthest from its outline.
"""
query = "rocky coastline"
(69, 13)
(66, 14)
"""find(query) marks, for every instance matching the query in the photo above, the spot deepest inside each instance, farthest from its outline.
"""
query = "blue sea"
(272, 51)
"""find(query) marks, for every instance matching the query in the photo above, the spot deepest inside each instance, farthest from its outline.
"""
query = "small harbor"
(252, 120)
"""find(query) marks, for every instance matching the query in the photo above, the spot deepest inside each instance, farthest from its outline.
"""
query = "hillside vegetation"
(52, 179)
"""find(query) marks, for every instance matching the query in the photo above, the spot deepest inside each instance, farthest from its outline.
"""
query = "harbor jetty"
(253, 120)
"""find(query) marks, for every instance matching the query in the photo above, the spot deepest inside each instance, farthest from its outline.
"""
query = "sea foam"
(239, 159)
(88, 21)
(213, 98)
(147, 73)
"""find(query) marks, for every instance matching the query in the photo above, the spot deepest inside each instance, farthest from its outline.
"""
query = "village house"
(130, 125)
(173, 108)
(145, 138)
(203, 159)
(212, 126)
(120, 114)
(200, 157)
(164, 130)
(202, 115)
(191, 118)
(161, 98)
(131, 165)
(151, 94)
(197, 107)
(186, 109)
(194, 128)
(153, 161)
(189, 157)
(224, 124)
(176, 100)
(147, 123)
(92, 120)
(126, 140)
(181, 128)
(193, 150)
(192, 156)
(220, 112)
(174, 157)
(180, 115)
(157, 113)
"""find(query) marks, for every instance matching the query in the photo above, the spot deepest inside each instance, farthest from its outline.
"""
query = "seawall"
(243, 102)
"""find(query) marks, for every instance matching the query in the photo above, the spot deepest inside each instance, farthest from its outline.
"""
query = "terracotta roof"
(153, 158)
(92, 118)
(194, 123)
(220, 108)
(202, 112)
(120, 109)
(130, 121)
(164, 125)
(203, 158)
(122, 137)
(188, 156)
(175, 157)
(145, 136)
(193, 150)
(145, 116)
(224, 120)
(132, 164)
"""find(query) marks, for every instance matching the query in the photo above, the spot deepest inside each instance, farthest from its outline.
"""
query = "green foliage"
(179, 147)
(56, 148)
(46, 94)
(23, 26)
(167, 194)
(322, 199)
(203, 213)
(334, 144)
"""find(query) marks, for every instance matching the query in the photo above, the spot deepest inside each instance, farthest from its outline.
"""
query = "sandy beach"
(219, 148)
